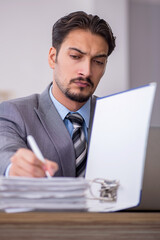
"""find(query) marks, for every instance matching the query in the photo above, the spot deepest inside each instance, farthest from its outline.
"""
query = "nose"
(85, 69)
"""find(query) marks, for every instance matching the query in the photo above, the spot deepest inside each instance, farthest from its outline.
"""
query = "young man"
(81, 44)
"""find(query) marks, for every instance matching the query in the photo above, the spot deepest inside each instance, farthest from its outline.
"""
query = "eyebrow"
(84, 53)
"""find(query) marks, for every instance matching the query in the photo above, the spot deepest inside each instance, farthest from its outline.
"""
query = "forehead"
(85, 41)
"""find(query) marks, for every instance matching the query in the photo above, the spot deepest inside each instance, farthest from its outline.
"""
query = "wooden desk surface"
(80, 225)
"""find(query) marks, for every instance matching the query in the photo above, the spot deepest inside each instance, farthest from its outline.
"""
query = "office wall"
(116, 77)
(25, 39)
(144, 52)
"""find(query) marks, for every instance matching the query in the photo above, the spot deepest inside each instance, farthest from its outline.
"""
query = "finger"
(26, 170)
(23, 162)
(23, 167)
(52, 167)
(17, 171)
(28, 156)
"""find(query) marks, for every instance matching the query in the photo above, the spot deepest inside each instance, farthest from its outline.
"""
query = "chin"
(77, 97)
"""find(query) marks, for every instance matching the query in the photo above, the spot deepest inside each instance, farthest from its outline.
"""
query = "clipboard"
(118, 146)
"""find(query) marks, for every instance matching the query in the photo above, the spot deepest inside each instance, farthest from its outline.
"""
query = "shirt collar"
(63, 111)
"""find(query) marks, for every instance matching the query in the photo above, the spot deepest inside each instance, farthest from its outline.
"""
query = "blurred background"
(25, 39)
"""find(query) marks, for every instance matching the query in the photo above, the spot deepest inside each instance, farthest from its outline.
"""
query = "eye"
(74, 56)
(98, 62)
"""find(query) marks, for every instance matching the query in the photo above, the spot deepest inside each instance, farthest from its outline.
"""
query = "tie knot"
(75, 118)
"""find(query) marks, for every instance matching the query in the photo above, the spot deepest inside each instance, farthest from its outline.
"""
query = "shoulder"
(19, 104)
(24, 104)
(17, 113)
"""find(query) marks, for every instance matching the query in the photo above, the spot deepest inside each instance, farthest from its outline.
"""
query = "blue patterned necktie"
(79, 142)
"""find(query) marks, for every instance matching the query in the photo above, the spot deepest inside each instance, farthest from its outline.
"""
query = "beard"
(77, 97)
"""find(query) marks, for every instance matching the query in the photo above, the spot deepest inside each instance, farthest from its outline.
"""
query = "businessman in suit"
(81, 44)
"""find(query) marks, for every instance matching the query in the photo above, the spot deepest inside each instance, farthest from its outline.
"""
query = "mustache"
(88, 80)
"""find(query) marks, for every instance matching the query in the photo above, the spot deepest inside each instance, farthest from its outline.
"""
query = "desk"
(79, 225)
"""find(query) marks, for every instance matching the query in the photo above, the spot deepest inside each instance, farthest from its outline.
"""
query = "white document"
(118, 145)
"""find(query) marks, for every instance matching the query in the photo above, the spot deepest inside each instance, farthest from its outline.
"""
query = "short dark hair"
(81, 20)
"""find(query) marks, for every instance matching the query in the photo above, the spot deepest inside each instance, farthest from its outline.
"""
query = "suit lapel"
(58, 133)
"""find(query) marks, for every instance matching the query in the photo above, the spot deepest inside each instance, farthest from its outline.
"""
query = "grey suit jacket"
(36, 115)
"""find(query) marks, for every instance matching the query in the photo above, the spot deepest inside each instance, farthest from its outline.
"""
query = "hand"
(26, 164)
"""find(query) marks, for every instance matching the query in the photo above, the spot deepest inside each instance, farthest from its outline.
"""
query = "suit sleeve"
(12, 133)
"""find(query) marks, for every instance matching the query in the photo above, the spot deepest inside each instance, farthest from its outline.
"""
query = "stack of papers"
(22, 194)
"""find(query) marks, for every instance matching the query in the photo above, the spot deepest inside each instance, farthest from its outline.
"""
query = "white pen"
(37, 151)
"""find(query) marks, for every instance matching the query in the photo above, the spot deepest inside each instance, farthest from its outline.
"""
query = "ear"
(52, 57)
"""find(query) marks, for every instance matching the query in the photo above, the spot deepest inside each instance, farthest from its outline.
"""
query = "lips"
(82, 83)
